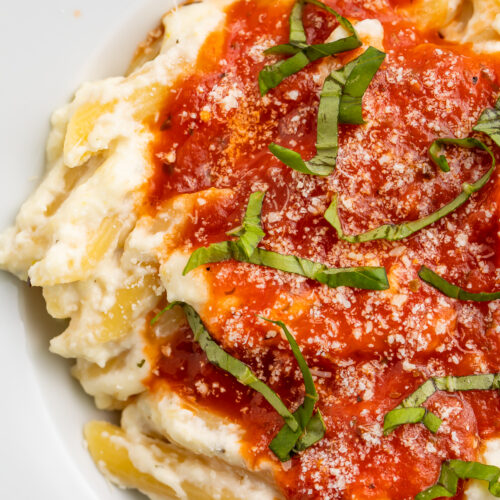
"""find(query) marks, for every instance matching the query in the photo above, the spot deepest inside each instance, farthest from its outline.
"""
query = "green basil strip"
(297, 38)
(297, 31)
(489, 123)
(453, 470)
(356, 84)
(271, 76)
(431, 421)
(367, 278)
(402, 416)
(284, 49)
(440, 159)
(481, 382)
(303, 54)
(409, 411)
(454, 291)
(340, 101)
(251, 233)
(288, 442)
(220, 358)
(314, 432)
(310, 431)
(395, 232)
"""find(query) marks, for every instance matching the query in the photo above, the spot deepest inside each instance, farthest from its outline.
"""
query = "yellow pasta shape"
(79, 270)
(476, 21)
(108, 446)
(55, 303)
(106, 234)
(147, 101)
(112, 458)
(88, 330)
(81, 125)
(464, 21)
(116, 322)
(70, 178)
(430, 14)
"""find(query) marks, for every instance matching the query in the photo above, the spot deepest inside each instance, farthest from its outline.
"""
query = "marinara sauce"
(367, 350)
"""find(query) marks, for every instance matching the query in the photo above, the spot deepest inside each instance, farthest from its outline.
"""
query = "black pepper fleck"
(167, 123)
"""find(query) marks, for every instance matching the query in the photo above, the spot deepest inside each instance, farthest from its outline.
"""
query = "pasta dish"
(276, 243)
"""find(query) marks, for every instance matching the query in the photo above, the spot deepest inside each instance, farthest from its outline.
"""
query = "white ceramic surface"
(47, 48)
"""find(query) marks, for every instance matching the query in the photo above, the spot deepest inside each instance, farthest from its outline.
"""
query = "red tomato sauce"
(368, 350)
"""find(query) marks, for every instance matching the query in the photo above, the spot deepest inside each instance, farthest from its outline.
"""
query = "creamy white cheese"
(478, 490)
(370, 32)
(188, 427)
(204, 435)
(190, 288)
(112, 385)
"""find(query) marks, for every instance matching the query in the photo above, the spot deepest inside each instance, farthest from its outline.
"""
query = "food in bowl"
(276, 241)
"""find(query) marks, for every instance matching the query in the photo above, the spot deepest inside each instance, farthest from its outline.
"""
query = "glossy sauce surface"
(368, 350)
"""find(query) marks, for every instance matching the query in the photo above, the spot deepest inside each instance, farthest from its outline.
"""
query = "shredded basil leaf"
(409, 411)
(286, 48)
(454, 291)
(489, 123)
(440, 159)
(220, 358)
(271, 76)
(297, 32)
(453, 470)
(310, 430)
(402, 416)
(481, 382)
(303, 54)
(395, 232)
(251, 233)
(358, 80)
(288, 442)
(301, 429)
(314, 432)
(297, 39)
(340, 102)
(368, 278)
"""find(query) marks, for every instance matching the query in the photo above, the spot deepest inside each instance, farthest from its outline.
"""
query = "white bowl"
(47, 49)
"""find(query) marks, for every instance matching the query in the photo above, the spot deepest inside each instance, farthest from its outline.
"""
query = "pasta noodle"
(108, 445)
(463, 21)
